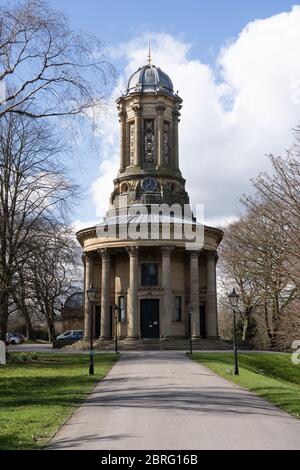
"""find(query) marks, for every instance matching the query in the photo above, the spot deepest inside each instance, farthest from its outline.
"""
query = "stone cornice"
(90, 233)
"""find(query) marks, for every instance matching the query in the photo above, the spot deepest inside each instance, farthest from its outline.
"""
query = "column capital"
(132, 250)
(166, 250)
(211, 255)
(194, 254)
(104, 253)
(87, 256)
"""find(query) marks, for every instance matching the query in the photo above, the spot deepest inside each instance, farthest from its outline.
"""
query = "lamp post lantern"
(91, 293)
(116, 312)
(190, 312)
(233, 299)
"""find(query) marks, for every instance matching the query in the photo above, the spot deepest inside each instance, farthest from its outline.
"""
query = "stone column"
(194, 292)
(132, 300)
(137, 126)
(176, 115)
(105, 293)
(122, 120)
(160, 134)
(88, 263)
(211, 295)
(166, 284)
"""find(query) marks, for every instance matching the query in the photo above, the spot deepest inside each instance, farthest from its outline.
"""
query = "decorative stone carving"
(104, 253)
(132, 250)
(149, 141)
(137, 109)
(131, 142)
(160, 108)
(176, 115)
(166, 141)
(122, 115)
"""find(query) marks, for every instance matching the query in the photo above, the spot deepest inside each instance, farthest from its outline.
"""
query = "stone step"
(156, 344)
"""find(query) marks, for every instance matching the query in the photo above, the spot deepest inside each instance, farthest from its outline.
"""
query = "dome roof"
(149, 79)
(74, 301)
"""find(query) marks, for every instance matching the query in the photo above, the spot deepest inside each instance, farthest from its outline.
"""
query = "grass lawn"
(36, 397)
(271, 376)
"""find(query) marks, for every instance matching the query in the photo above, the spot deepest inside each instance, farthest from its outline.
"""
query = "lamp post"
(116, 312)
(91, 293)
(190, 312)
(233, 299)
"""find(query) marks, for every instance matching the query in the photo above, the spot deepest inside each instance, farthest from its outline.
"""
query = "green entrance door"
(150, 318)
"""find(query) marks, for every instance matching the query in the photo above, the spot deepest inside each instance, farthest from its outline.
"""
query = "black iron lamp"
(91, 294)
(234, 300)
(116, 312)
(190, 313)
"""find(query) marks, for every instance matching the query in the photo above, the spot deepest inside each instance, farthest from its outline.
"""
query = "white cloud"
(233, 114)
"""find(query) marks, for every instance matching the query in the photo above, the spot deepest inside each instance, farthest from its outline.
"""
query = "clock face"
(149, 184)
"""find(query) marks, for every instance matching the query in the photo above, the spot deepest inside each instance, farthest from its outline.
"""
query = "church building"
(161, 287)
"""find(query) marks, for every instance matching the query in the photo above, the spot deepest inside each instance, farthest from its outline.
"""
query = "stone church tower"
(151, 281)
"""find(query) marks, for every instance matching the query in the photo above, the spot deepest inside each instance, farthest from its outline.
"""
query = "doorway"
(202, 321)
(150, 318)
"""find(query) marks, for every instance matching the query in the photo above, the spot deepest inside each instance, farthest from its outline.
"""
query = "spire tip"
(149, 52)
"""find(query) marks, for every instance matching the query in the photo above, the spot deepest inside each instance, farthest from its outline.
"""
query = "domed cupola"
(149, 78)
(149, 113)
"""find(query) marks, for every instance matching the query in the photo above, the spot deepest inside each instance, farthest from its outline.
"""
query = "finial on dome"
(149, 52)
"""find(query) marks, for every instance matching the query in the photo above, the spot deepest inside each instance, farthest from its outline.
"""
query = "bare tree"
(278, 200)
(236, 269)
(23, 299)
(260, 252)
(33, 187)
(47, 69)
(53, 271)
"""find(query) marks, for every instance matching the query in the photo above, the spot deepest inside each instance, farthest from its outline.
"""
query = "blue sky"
(197, 42)
(206, 24)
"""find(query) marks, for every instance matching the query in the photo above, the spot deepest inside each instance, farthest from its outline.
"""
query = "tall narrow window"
(131, 142)
(178, 307)
(149, 142)
(122, 313)
(166, 141)
(149, 274)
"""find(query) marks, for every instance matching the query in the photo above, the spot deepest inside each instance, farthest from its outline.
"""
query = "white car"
(12, 339)
(70, 335)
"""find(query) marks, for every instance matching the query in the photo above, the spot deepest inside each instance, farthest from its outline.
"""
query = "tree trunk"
(245, 328)
(30, 334)
(51, 328)
(3, 315)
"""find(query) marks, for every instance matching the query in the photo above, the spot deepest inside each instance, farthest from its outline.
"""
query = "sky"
(236, 66)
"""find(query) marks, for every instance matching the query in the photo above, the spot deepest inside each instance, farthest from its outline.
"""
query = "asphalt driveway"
(163, 400)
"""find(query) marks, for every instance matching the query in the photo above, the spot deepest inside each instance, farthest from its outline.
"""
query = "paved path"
(163, 400)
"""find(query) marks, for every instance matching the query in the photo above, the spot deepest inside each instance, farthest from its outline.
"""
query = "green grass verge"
(271, 376)
(37, 397)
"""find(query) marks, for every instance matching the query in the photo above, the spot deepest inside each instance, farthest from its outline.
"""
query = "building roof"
(74, 301)
(149, 78)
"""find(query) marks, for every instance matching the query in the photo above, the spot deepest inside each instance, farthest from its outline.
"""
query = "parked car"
(12, 339)
(20, 336)
(70, 335)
